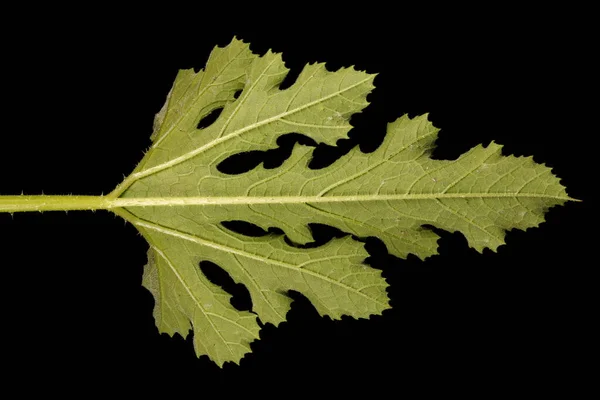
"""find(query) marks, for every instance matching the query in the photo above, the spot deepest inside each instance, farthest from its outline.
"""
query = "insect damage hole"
(244, 228)
(321, 234)
(325, 155)
(272, 158)
(241, 162)
(240, 297)
(209, 119)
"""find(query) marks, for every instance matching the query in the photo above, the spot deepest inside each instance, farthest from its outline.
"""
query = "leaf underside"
(391, 194)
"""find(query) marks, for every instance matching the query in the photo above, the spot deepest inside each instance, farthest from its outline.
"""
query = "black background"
(81, 89)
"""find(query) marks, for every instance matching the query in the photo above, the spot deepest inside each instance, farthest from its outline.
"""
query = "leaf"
(181, 203)
(178, 199)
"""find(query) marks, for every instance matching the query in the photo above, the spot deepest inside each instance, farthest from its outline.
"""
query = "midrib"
(13, 204)
(243, 200)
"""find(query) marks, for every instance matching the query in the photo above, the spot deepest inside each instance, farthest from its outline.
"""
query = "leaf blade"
(178, 199)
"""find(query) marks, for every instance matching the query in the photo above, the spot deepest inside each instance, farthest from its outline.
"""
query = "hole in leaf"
(321, 233)
(290, 243)
(289, 139)
(244, 228)
(272, 158)
(210, 118)
(241, 162)
(325, 155)
(275, 231)
(237, 94)
(276, 157)
(324, 233)
(240, 299)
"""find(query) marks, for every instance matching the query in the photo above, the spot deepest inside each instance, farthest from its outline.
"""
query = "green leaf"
(179, 200)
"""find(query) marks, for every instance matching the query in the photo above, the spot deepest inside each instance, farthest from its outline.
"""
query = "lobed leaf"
(178, 199)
